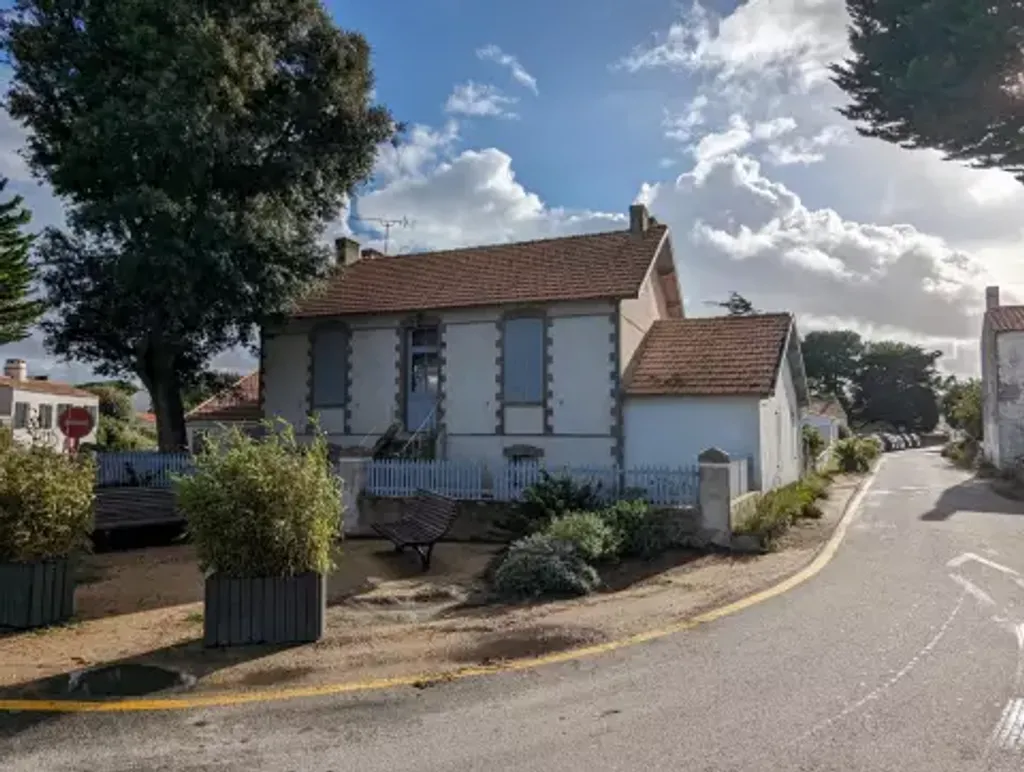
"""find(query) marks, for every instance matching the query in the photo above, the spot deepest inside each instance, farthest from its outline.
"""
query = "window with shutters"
(20, 415)
(330, 367)
(46, 416)
(523, 355)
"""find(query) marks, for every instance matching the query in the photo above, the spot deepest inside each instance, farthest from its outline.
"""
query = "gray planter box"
(36, 594)
(250, 610)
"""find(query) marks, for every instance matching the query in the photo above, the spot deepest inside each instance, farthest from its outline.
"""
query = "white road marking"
(1009, 732)
(878, 691)
(966, 557)
(973, 589)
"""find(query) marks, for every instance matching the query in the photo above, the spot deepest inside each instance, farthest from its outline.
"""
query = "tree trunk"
(160, 377)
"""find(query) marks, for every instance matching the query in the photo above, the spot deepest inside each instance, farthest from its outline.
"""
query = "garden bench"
(427, 519)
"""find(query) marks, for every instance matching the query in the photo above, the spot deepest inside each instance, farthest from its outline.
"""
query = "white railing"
(739, 477)
(507, 482)
(146, 469)
(403, 477)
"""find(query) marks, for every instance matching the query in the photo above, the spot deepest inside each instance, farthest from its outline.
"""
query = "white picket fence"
(147, 469)
(507, 482)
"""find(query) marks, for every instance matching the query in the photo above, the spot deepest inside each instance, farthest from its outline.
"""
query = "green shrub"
(593, 539)
(964, 453)
(640, 531)
(549, 498)
(814, 443)
(778, 509)
(844, 431)
(807, 494)
(854, 455)
(45, 503)
(872, 447)
(540, 565)
(262, 507)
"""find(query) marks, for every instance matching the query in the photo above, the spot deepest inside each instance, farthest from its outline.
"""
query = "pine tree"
(17, 313)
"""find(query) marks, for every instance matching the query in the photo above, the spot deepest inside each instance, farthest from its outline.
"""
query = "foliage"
(116, 435)
(45, 503)
(777, 510)
(940, 74)
(896, 385)
(588, 532)
(639, 530)
(6, 439)
(17, 313)
(961, 407)
(262, 508)
(549, 498)
(964, 453)
(540, 565)
(854, 454)
(844, 431)
(207, 384)
(737, 305)
(115, 402)
(199, 151)
(831, 359)
(814, 443)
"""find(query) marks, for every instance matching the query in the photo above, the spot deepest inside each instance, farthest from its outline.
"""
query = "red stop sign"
(75, 422)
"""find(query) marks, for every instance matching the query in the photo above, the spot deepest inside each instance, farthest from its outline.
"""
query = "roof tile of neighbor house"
(1006, 318)
(826, 407)
(241, 402)
(45, 387)
(587, 267)
(716, 356)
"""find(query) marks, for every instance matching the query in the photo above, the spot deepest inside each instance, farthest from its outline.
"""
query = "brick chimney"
(639, 219)
(16, 369)
(991, 297)
(346, 251)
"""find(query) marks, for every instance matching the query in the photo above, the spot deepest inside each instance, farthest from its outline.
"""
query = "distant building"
(1002, 380)
(31, 406)
(827, 416)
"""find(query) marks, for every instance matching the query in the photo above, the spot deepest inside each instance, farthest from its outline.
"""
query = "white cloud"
(681, 127)
(805, 150)
(480, 100)
(739, 135)
(494, 54)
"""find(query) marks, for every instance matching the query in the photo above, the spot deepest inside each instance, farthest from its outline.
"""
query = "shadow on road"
(974, 495)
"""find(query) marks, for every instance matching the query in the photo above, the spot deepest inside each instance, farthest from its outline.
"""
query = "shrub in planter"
(263, 514)
(540, 565)
(46, 517)
(593, 539)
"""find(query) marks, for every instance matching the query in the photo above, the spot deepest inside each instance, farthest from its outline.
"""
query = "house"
(32, 406)
(497, 352)
(1002, 381)
(238, 406)
(520, 351)
(827, 416)
(734, 382)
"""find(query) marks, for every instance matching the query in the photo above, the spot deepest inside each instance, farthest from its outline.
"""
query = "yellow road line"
(272, 695)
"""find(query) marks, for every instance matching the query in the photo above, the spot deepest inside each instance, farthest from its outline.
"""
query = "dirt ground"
(385, 617)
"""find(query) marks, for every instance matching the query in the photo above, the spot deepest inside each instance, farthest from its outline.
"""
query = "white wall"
(470, 400)
(372, 379)
(989, 395)
(1009, 389)
(582, 367)
(53, 437)
(672, 431)
(781, 446)
(637, 315)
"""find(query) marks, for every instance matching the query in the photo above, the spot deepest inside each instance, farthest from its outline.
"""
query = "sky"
(535, 119)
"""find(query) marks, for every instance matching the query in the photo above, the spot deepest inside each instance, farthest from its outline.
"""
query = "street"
(905, 653)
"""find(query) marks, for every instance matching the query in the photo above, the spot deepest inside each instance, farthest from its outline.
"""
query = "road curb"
(821, 558)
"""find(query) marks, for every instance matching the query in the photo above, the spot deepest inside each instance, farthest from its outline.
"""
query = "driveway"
(904, 653)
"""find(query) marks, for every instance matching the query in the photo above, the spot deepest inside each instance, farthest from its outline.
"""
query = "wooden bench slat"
(427, 520)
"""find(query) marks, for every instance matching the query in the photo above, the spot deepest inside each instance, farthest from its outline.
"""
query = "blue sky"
(719, 116)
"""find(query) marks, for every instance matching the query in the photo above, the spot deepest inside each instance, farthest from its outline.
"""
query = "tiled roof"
(45, 387)
(588, 267)
(826, 407)
(146, 418)
(722, 355)
(241, 402)
(1006, 318)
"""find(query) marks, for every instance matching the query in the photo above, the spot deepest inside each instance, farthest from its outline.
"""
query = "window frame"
(23, 423)
(317, 333)
(48, 409)
(511, 318)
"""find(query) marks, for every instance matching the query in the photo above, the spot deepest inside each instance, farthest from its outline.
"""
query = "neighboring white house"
(498, 352)
(733, 382)
(1002, 380)
(237, 406)
(31, 406)
(827, 417)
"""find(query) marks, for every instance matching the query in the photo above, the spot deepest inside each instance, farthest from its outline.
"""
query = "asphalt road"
(904, 653)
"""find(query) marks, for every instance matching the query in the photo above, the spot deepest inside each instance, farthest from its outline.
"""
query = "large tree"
(17, 311)
(207, 384)
(961, 406)
(941, 74)
(200, 149)
(895, 385)
(832, 360)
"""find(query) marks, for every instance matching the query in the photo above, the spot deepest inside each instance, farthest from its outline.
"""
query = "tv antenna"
(387, 224)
